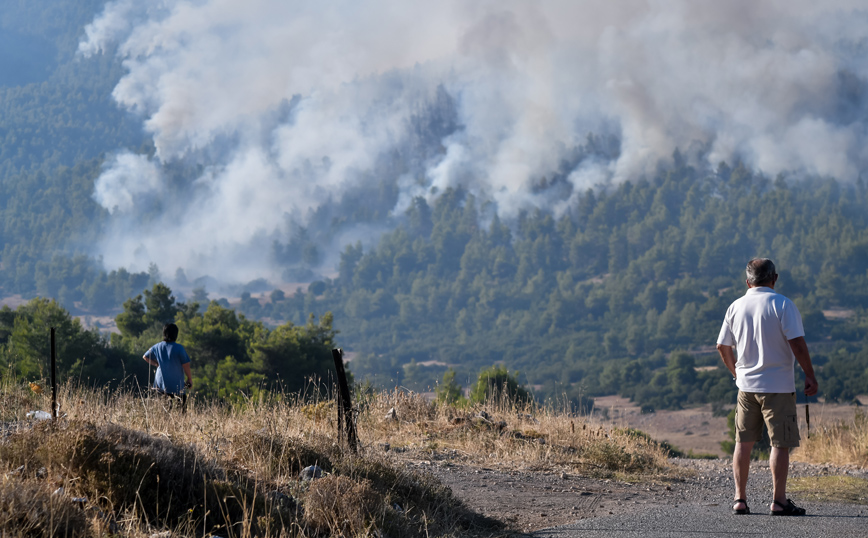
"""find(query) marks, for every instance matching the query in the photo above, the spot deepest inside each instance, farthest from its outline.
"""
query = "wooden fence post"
(53, 375)
(346, 424)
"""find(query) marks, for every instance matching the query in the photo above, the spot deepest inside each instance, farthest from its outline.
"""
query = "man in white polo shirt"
(766, 328)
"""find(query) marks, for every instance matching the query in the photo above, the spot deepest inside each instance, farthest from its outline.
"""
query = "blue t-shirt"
(170, 374)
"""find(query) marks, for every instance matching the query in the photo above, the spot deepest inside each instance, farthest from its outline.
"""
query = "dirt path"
(528, 500)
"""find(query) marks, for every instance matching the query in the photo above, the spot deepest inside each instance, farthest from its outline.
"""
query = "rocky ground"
(529, 500)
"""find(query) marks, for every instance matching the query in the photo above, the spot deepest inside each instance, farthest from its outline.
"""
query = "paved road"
(836, 520)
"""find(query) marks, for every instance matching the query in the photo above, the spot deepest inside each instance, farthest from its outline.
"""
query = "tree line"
(232, 357)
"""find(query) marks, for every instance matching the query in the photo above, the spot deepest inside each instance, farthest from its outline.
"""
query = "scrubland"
(127, 463)
(121, 462)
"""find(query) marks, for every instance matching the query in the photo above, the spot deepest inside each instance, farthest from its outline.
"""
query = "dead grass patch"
(118, 469)
(833, 488)
(29, 509)
(842, 443)
(518, 437)
(339, 506)
(272, 457)
(424, 504)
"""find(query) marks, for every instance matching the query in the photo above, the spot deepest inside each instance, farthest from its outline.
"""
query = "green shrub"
(449, 391)
(498, 385)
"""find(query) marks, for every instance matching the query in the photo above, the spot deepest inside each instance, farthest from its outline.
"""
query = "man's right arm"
(800, 350)
(728, 357)
(149, 360)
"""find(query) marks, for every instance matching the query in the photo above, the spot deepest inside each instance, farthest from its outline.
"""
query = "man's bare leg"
(779, 461)
(740, 469)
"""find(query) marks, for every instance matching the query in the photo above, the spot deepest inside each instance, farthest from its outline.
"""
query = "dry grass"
(504, 435)
(234, 470)
(337, 505)
(833, 488)
(28, 509)
(842, 443)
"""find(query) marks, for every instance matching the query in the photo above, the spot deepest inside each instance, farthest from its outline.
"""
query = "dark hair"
(760, 271)
(170, 332)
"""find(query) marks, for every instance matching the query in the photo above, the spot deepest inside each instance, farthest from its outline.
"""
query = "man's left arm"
(188, 374)
(800, 350)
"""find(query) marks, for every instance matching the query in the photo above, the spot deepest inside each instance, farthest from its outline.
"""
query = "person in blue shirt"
(172, 362)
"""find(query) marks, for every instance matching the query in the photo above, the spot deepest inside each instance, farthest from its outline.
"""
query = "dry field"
(696, 430)
(123, 462)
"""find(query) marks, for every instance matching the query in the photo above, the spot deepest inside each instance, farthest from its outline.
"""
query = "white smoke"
(128, 180)
(286, 105)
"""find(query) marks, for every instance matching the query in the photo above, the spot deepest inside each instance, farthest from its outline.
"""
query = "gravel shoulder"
(529, 500)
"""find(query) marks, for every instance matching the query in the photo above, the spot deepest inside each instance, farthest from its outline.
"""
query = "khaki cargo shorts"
(777, 410)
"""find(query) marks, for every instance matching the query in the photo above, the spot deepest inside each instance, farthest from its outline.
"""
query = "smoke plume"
(264, 112)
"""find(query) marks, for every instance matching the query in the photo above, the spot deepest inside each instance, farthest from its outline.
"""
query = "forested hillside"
(621, 292)
(55, 105)
(57, 121)
(595, 300)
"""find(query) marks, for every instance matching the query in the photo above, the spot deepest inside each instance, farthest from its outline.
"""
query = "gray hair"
(760, 271)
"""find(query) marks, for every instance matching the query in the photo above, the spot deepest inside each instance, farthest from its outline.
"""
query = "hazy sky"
(778, 84)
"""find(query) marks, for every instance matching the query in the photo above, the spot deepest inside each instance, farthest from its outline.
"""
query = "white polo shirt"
(760, 325)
